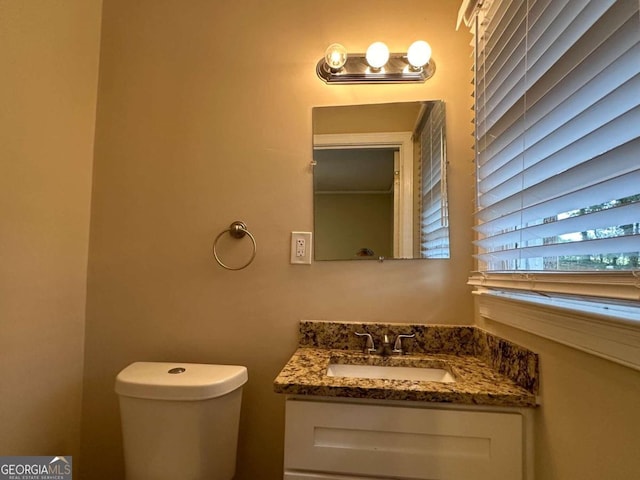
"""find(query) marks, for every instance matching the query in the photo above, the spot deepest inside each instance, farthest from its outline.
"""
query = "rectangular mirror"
(379, 181)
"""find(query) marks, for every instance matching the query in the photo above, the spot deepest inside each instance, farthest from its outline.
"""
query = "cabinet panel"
(402, 442)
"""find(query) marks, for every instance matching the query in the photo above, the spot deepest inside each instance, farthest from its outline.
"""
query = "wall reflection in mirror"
(380, 181)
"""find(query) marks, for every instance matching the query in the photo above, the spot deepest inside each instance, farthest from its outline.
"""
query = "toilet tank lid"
(179, 381)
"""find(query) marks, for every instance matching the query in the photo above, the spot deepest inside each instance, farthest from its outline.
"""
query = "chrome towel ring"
(237, 230)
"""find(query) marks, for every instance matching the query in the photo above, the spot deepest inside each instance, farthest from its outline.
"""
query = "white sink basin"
(391, 373)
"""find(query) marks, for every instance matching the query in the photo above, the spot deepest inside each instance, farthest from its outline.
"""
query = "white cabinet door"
(401, 442)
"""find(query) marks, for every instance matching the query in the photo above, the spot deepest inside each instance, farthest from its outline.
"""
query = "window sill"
(615, 338)
(624, 285)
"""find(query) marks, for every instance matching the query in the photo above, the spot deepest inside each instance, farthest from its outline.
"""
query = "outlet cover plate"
(301, 248)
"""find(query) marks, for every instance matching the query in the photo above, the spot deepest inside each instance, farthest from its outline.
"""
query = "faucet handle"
(397, 346)
(369, 346)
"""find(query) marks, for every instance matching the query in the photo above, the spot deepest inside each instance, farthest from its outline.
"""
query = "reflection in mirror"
(379, 181)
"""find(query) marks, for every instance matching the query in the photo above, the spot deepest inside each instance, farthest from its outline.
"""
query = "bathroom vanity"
(353, 415)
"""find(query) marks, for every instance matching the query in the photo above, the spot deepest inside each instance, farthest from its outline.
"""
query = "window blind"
(432, 172)
(557, 105)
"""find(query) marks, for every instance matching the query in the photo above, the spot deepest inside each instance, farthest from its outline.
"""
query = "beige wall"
(204, 117)
(49, 57)
(587, 425)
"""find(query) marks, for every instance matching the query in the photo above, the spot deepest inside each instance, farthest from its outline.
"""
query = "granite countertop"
(476, 383)
(480, 378)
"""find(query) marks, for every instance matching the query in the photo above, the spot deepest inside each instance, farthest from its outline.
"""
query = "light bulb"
(419, 54)
(335, 56)
(377, 55)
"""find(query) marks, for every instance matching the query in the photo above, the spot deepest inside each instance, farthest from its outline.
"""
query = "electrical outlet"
(301, 248)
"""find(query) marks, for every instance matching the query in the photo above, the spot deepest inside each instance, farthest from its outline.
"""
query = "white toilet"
(180, 420)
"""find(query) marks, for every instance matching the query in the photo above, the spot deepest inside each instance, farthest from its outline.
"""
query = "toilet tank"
(180, 420)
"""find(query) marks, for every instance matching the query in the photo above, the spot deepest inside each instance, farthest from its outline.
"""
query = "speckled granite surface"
(428, 338)
(488, 370)
(509, 359)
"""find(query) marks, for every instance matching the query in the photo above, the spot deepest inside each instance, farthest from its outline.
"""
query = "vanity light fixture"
(377, 56)
(377, 65)
(335, 57)
(418, 55)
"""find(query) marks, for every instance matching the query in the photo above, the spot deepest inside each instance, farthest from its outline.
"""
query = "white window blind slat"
(556, 148)
(587, 177)
(438, 252)
(606, 60)
(623, 185)
(619, 131)
(506, 63)
(612, 35)
(600, 246)
(433, 224)
(576, 53)
(432, 184)
(602, 219)
(496, 19)
(438, 236)
(541, 14)
(558, 135)
(509, 67)
(596, 76)
(564, 31)
(433, 207)
(433, 228)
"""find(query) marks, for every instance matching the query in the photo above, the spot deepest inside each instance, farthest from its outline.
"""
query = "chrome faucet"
(397, 346)
(385, 350)
(369, 346)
